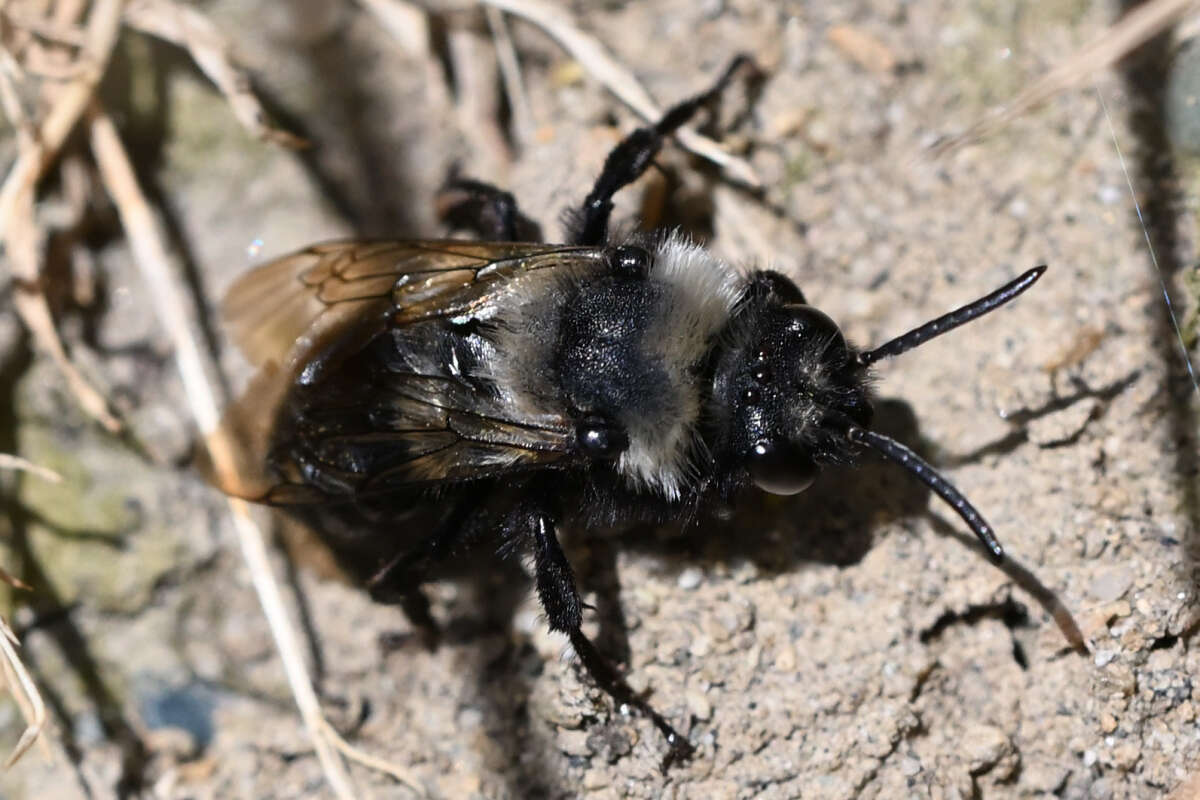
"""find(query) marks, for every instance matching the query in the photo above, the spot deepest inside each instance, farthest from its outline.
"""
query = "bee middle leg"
(560, 598)
(488, 211)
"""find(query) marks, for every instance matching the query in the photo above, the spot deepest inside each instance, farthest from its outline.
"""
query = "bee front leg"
(564, 610)
(633, 154)
(488, 211)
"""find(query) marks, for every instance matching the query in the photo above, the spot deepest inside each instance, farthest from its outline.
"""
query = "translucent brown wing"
(305, 316)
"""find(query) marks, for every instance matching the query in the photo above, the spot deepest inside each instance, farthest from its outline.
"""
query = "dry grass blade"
(1131, 31)
(9, 461)
(22, 245)
(16, 679)
(188, 28)
(510, 71)
(38, 147)
(100, 34)
(372, 762)
(13, 675)
(614, 76)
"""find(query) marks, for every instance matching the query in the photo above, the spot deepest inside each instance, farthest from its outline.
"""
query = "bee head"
(787, 385)
(791, 395)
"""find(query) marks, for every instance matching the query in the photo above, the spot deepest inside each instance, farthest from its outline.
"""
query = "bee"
(415, 398)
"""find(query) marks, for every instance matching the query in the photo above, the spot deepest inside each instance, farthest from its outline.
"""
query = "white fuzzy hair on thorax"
(699, 291)
(695, 292)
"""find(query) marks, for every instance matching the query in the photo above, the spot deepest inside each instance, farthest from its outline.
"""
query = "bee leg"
(488, 211)
(564, 611)
(415, 605)
(630, 158)
(398, 581)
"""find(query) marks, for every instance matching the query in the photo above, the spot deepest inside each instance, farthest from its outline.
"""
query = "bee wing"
(300, 317)
(285, 310)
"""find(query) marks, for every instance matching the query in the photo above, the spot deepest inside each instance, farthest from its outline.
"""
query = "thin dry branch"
(1130, 32)
(210, 49)
(558, 23)
(150, 252)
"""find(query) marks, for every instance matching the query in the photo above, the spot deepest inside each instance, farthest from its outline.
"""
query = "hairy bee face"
(786, 385)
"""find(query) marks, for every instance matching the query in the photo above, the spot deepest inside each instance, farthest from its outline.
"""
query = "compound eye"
(813, 322)
(598, 438)
(769, 283)
(630, 260)
(780, 468)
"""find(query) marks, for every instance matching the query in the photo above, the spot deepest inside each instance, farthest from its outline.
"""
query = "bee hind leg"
(564, 611)
(486, 210)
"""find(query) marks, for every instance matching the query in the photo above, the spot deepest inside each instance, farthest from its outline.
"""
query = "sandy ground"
(847, 643)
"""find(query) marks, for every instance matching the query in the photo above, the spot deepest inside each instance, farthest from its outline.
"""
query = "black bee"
(421, 396)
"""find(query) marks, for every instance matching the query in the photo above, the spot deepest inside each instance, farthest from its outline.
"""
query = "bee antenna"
(898, 453)
(948, 322)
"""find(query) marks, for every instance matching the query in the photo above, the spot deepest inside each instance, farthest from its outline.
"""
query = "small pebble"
(1111, 584)
(690, 578)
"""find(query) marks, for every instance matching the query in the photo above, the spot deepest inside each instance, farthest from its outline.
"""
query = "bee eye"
(630, 260)
(780, 468)
(769, 283)
(599, 438)
(814, 322)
